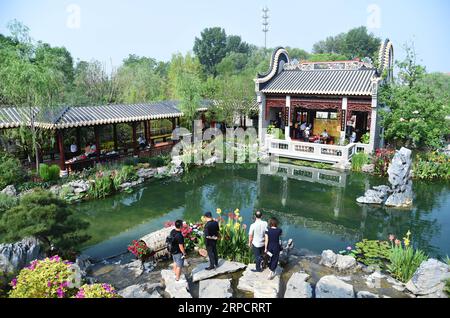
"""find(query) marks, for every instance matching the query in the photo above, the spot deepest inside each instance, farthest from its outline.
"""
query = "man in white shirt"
(256, 238)
(73, 148)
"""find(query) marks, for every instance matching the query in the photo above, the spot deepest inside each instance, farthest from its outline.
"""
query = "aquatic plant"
(372, 252)
(97, 291)
(404, 259)
(48, 278)
(431, 165)
(359, 160)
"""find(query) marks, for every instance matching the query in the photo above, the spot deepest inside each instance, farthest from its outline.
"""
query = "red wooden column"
(97, 141)
(115, 137)
(135, 150)
(62, 160)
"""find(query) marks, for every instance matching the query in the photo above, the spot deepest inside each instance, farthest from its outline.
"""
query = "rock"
(328, 258)
(125, 185)
(83, 262)
(210, 161)
(366, 294)
(332, 287)
(10, 190)
(368, 168)
(345, 262)
(79, 186)
(288, 246)
(177, 161)
(259, 284)
(135, 268)
(215, 288)
(429, 279)
(400, 178)
(199, 273)
(342, 165)
(298, 287)
(372, 197)
(146, 173)
(175, 289)
(141, 291)
(162, 170)
(374, 279)
(15, 256)
(55, 189)
(384, 189)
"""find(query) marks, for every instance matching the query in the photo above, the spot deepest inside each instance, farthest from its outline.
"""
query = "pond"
(317, 208)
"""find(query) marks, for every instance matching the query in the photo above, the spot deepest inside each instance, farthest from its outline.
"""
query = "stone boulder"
(175, 289)
(331, 286)
(83, 262)
(141, 291)
(345, 262)
(15, 256)
(328, 258)
(368, 168)
(366, 294)
(372, 197)
(288, 246)
(79, 186)
(146, 173)
(298, 287)
(429, 279)
(10, 190)
(215, 288)
(225, 267)
(400, 178)
(258, 282)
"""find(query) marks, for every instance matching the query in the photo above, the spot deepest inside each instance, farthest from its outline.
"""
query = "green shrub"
(11, 171)
(42, 215)
(102, 186)
(447, 287)
(359, 160)
(7, 202)
(97, 291)
(431, 165)
(365, 139)
(49, 173)
(48, 278)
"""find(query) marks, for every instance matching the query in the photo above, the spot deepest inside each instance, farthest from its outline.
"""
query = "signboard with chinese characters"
(286, 116)
(343, 119)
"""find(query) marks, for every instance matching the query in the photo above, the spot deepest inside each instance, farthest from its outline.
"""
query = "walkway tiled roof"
(323, 82)
(67, 117)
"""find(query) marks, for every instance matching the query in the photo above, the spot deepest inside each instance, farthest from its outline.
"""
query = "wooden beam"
(150, 133)
(174, 123)
(62, 160)
(146, 130)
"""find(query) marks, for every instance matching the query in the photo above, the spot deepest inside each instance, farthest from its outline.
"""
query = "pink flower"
(14, 282)
(349, 248)
(60, 292)
(397, 242)
(391, 237)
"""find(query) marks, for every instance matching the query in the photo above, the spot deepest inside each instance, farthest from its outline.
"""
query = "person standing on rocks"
(211, 232)
(177, 249)
(273, 245)
(256, 238)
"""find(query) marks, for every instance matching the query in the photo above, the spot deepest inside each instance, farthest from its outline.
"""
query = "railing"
(310, 151)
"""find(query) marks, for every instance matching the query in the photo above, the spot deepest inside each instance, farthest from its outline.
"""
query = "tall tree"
(211, 48)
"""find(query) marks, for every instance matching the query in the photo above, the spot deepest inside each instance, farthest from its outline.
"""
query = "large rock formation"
(429, 279)
(175, 289)
(141, 291)
(401, 179)
(341, 262)
(331, 286)
(399, 194)
(10, 190)
(15, 256)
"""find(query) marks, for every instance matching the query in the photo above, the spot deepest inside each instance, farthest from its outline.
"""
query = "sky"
(110, 30)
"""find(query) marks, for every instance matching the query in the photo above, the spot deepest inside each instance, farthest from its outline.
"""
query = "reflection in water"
(317, 207)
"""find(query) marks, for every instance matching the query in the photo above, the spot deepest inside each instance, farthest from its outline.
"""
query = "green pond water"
(317, 208)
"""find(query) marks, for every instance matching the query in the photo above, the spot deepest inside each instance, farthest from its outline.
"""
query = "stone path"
(298, 287)
(215, 288)
(141, 291)
(175, 289)
(259, 284)
(199, 273)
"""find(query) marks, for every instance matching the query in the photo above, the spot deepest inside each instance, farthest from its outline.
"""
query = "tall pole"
(265, 24)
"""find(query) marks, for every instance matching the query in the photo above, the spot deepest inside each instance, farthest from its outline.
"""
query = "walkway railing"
(310, 151)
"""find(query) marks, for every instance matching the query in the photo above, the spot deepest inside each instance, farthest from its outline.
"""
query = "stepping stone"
(297, 287)
(215, 288)
(200, 273)
(259, 284)
(141, 291)
(175, 289)
(331, 286)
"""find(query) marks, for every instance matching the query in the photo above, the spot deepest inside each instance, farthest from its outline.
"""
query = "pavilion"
(62, 119)
(340, 97)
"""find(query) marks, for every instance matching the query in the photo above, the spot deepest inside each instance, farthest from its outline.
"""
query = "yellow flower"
(408, 233)
(240, 219)
(219, 211)
(236, 212)
(237, 226)
(406, 241)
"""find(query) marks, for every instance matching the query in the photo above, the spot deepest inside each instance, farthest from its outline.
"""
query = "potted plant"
(140, 250)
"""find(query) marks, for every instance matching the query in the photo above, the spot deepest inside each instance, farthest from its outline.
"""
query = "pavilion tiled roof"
(67, 117)
(322, 82)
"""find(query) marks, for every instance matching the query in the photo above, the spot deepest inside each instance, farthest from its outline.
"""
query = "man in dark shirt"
(211, 232)
(177, 249)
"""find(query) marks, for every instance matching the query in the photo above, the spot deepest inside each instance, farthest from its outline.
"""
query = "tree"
(236, 45)
(356, 43)
(211, 48)
(417, 106)
(42, 215)
(180, 65)
(188, 87)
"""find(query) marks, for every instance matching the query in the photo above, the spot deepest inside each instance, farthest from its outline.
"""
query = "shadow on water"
(317, 207)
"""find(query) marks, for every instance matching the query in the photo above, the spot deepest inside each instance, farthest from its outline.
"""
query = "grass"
(359, 160)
